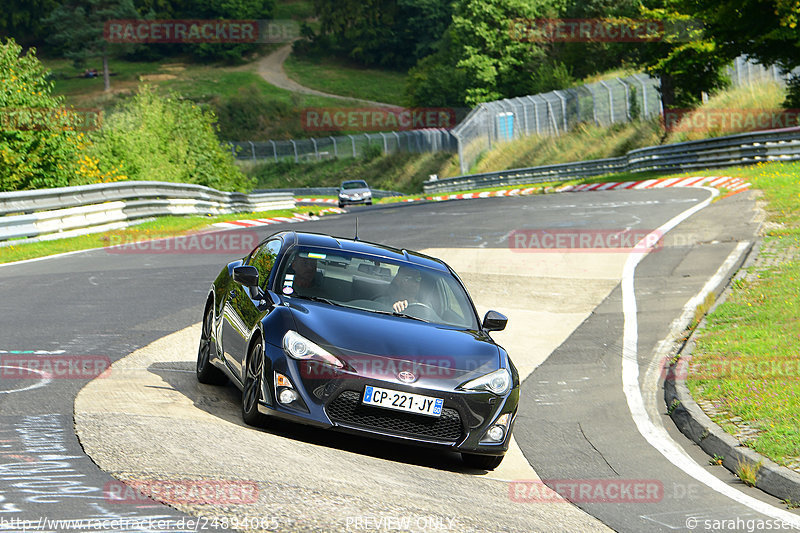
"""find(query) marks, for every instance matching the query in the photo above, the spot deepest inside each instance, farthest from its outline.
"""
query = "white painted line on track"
(657, 436)
(44, 380)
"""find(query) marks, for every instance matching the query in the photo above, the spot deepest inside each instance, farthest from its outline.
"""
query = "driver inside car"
(404, 289)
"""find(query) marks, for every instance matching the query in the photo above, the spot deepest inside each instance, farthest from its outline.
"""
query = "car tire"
(251, 386)
(341, 205)
(206, 372)
(481, 462)
(369, 203)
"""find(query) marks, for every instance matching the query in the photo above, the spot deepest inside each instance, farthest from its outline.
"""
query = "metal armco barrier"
(740, 149)
(68, 211)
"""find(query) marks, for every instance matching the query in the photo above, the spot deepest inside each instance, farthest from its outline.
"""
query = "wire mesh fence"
(603, 103)
(344, 146)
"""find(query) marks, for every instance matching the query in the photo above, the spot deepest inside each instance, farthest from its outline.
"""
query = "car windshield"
(354, 185)
(376, 284)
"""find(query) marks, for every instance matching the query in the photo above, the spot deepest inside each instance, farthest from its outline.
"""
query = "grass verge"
(160, 227)
(336, 76)
(750, 340)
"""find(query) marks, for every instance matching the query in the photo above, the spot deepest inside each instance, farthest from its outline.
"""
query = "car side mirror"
(494, 321)
(246, 275)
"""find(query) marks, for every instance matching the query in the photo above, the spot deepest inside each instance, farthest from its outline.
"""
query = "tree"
(497, 63)
(225, 10)
(39, 140)
(685, 59)
(22, 19)
(391, 33)
(77, 29)
(167, 138)
(766, 30)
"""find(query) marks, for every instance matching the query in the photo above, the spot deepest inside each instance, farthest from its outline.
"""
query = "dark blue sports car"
(362, 338)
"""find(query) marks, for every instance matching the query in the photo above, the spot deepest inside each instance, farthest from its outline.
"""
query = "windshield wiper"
(318, 299)
(402, 315)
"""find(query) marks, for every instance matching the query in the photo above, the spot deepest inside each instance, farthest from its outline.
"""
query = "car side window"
(264, 260)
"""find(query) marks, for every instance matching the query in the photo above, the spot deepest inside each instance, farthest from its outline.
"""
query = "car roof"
(354, 181)
(321, 240)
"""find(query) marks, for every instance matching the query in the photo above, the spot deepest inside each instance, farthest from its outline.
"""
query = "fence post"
(610, 101)
(644, 94)
(353, 141)
(563, 109)
(535, 113)
(397, 136)
(294, 145)
(627, 99)
(335, 151)
(385, 146)
(252, 149)
(594, 105)
(316, 152)
(274, 150)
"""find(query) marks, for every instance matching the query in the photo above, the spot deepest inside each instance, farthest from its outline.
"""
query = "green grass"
(746, 360)
(403, 172)
(158, 228)
(293, 9)
(336, 76)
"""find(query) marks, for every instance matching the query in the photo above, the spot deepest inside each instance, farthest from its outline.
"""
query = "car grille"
(348, 409)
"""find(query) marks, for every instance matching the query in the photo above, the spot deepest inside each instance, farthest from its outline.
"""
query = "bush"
(39, 141)
(152, 137)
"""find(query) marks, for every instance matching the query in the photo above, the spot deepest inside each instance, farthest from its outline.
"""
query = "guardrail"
(740, 149)
(69, 211)
(327, 191)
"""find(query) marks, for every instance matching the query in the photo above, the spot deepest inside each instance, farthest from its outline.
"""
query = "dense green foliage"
(151, 137)
(39, 143)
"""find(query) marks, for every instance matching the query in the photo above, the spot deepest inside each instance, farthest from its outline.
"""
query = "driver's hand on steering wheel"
(399, 306)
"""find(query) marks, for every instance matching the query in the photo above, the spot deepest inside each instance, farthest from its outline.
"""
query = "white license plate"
(403, 401)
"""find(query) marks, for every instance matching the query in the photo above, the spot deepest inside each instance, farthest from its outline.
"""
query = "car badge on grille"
(406, 377)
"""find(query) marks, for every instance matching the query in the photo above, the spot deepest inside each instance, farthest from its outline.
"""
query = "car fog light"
(287, 396)
(496, 433)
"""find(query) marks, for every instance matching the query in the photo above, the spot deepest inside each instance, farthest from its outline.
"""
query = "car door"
(244, 310)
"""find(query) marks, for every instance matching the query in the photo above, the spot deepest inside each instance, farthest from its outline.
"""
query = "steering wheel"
(427, 310)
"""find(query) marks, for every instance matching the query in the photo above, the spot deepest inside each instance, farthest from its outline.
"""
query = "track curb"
(693, 422)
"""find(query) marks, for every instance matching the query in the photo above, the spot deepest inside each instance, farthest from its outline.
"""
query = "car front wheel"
(206, 372)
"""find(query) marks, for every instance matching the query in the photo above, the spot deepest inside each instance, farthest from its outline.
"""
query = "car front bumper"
(335, 403)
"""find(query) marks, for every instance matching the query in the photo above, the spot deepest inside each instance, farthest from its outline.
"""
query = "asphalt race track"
(574, 426)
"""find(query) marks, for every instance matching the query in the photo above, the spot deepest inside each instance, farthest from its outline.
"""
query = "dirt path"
(270, 68)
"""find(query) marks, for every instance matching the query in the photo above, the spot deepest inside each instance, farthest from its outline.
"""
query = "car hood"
(372, 344)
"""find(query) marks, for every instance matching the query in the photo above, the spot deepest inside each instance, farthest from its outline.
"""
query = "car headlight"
(298, 347)
(497, 382)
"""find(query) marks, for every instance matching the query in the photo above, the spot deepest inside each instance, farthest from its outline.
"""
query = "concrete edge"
(690, 419)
